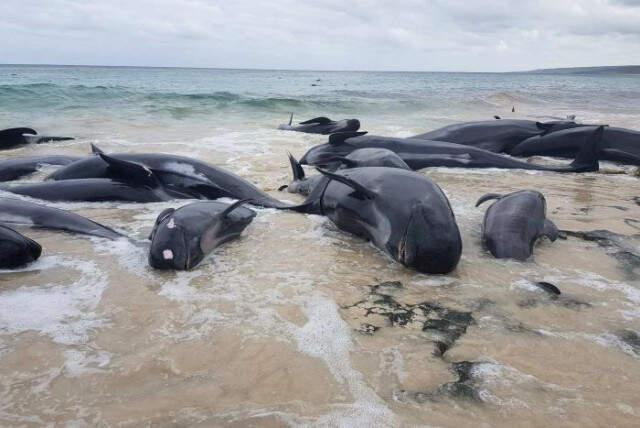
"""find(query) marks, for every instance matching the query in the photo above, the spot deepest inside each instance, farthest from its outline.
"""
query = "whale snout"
(17, 250)
(170, 249)
(432, 242)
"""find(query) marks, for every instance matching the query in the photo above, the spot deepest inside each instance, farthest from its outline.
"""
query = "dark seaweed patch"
(443, 325)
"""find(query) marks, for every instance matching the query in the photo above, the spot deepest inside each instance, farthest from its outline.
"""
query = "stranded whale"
(513, 224)
(25, 213)
(321, 125)
(403, 213)
(182, 237)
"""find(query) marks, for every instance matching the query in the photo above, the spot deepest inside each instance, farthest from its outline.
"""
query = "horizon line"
(310, 69)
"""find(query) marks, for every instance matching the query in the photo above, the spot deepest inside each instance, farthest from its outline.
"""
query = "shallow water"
(271, 329)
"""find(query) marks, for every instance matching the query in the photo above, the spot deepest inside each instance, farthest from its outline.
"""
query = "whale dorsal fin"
(291, 119)
(319, 120)
(96, 150)
(587, 157)
(234, 206)
(359, 188)
(130, 172)
(340, 137)
(488, 197)
(296, 168)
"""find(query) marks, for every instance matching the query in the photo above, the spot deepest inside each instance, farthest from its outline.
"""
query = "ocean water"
(269, 330)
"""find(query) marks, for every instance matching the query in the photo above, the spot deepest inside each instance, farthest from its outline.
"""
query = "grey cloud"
(323, 34)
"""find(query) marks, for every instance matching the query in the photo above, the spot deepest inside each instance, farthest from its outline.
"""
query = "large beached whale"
(403, 213)
(178, 175)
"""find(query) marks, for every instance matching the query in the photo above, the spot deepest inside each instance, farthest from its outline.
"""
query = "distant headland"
(613, 69)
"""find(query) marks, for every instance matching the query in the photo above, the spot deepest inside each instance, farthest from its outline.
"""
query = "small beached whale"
(419, 154)
(14, 168)
(360, 158)
(513, 224)
(13, 137)
(322, 125)
(618, 144)
(24, 213)
(178, 175)
(368, 157)
(498, 136)
(403, 213)
(16, 249)
(182, 237)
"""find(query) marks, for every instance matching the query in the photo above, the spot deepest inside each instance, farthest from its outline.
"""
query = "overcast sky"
(465, 35)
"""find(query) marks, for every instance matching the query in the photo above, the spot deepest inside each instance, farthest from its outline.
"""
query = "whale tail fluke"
(587, 158)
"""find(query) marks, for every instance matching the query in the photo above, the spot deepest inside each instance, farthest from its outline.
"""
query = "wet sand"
(277, 328)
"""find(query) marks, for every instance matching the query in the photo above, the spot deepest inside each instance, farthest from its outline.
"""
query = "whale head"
(431, 242)
(171, 246)
(337, 146)
(301, 184)
(16, 249)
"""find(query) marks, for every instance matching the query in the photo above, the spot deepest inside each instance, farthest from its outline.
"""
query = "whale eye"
(167, 254)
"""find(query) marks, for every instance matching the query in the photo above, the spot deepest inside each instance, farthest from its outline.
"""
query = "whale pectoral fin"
(130, 172)
(95, 149)
(359, 188)
(319, 120)
(488, 197)
(340, 137)
(296, 168)
(549, 230)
